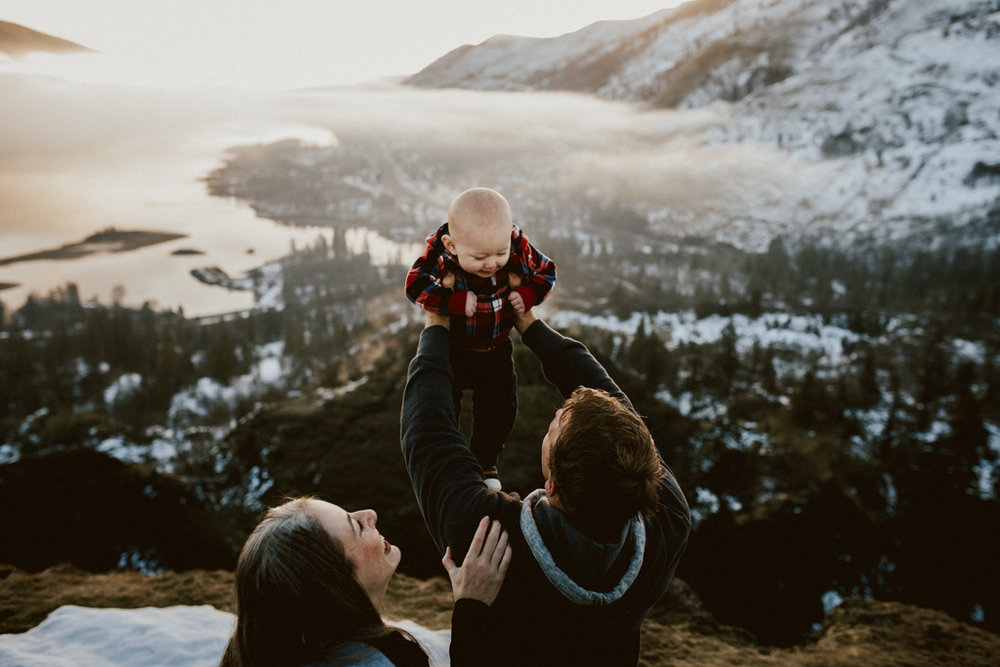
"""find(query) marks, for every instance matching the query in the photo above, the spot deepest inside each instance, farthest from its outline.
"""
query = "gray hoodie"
(584, 571)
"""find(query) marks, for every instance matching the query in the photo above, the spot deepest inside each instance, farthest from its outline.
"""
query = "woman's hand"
(485, 565)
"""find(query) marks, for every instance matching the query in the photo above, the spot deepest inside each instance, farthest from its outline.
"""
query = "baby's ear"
(449, 245)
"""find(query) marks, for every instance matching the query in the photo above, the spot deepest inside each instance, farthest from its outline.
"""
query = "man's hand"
(436, 319)
(485, 565)
(522, 318)
(517, 301)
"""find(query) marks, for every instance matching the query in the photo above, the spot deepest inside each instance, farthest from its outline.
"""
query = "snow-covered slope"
(898, 99)
(901, 96)
(579, 61)
(911, 93)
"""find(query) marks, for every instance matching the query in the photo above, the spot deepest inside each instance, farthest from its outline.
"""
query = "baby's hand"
(517, 301)
(448, 282)
(470, 304)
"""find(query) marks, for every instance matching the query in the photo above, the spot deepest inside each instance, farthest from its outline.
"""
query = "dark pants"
(490, 376)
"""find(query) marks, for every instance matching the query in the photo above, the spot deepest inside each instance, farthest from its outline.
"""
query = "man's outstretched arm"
(567, 363)
(446, 478)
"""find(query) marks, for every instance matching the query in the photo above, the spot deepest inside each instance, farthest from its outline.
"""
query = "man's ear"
(550, 487)
(449, 244)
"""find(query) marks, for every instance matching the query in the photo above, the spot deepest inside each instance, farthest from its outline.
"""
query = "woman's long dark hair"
(297, 597)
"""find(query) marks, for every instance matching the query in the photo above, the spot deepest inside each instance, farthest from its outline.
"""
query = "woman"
(311, 579)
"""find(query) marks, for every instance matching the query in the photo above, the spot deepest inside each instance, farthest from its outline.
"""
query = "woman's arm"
(476, 585)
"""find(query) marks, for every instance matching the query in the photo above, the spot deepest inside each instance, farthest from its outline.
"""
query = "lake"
(78, 159)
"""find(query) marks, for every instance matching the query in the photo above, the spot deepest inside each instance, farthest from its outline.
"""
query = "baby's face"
(481, 250)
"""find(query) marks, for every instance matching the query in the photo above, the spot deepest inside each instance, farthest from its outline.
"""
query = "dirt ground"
(679, 631)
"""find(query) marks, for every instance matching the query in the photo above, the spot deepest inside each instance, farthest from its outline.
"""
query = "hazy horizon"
(304, 44)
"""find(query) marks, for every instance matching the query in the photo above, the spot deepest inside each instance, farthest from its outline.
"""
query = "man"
(594, 549)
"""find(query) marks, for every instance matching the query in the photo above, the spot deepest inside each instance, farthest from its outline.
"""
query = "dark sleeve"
(568, 364)
(473, 638)
(446, 478)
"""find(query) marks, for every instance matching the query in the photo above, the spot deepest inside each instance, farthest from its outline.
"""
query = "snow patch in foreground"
(185, 636)
(181, 636)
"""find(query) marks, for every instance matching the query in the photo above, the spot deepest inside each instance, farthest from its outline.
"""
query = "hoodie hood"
(584, 571)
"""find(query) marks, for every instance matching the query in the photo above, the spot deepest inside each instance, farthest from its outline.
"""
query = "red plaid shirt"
(494, 317)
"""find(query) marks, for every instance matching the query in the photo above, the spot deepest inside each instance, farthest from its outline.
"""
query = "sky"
(272, 44)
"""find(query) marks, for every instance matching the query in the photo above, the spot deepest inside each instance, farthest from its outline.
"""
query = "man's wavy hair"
(604, 464)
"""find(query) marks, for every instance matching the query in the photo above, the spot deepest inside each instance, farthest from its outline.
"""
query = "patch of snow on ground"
(160, 453)
(706, 504)
(197, 400)
(873, 421)
(987, 469)
(126, 384)
(969, 350)
(831, 600)
(259, 481)
(9, 453)
(938, 429)
(790, 332)
(181, 636)
(177, 636)
(327, 394)
(683, 403)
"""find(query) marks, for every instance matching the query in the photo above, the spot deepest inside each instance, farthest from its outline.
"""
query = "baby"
(479, 268)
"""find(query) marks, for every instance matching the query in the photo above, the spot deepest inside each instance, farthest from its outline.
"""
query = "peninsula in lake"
(108, 240)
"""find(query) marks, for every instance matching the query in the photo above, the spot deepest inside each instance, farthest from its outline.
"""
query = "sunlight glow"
(304, 43)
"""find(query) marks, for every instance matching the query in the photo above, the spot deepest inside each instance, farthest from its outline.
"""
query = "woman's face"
(374, 559)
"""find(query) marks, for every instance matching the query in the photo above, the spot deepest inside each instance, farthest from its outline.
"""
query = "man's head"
(479, 227)
(600, 464)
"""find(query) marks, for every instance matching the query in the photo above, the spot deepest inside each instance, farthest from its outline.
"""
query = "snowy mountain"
(892, 103)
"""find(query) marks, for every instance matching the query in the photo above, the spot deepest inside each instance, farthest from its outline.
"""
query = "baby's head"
(479, 227)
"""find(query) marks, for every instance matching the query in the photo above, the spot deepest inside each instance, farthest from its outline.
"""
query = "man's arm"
(566, 363)
(446, 478)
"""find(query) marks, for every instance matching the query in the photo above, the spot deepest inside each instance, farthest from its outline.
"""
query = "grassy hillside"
(678, 631)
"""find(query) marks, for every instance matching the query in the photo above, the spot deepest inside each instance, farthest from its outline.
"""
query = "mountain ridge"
(17, 40)
(895, 100)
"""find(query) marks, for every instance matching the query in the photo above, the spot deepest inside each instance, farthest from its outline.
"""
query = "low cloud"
(662, 162)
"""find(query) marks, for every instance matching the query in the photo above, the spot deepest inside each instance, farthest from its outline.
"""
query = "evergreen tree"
(221, 362)
(958, 454)
(725, 362)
